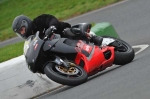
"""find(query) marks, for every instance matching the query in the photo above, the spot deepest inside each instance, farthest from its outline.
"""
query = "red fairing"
(82, 46)
(96, 59)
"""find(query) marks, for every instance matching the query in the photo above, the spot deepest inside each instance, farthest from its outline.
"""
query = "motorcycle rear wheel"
(124, 53)
(73, 76)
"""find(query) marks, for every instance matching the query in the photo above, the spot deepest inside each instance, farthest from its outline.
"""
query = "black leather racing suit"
(44, 21)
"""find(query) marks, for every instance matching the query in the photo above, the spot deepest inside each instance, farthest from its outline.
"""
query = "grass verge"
(11, 51)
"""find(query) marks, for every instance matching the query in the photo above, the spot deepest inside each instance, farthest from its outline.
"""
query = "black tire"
(124, 53)
(72, 80)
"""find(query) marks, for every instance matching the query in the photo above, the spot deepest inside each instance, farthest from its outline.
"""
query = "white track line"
(142, 47)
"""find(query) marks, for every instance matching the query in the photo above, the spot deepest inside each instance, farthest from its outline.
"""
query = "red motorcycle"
(71, 62)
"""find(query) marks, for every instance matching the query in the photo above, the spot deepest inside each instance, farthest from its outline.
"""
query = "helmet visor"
(21, 32)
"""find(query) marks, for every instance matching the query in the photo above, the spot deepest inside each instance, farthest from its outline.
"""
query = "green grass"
(62, 9)
(11, 51)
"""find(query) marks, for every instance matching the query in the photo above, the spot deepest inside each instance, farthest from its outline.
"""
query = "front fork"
(59, 61)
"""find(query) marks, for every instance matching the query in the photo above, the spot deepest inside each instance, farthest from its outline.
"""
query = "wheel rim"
(72, 71)
(69, 71)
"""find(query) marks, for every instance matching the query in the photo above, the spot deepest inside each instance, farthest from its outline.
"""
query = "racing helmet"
(22, 21)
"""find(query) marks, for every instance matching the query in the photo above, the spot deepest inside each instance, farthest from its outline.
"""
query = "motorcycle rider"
(23, 26)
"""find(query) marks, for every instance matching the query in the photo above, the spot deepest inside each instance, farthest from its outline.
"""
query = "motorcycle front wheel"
(124, 53)
(72, 76)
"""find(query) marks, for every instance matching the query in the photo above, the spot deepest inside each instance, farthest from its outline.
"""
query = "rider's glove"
(51, 29)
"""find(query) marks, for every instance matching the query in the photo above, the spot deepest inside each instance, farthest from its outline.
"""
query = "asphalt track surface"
(131, 19)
